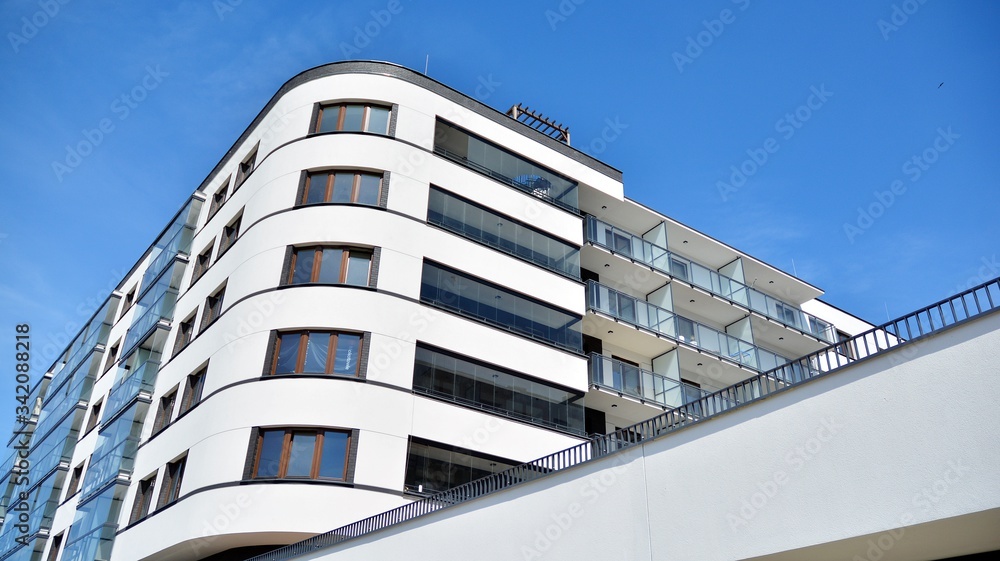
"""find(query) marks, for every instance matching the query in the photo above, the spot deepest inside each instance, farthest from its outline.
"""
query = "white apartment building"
(384, 289)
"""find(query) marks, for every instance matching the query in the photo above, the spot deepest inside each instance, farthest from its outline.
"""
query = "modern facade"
(384, 289)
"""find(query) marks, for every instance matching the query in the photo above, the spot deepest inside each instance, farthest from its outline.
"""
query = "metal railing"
(915, 326)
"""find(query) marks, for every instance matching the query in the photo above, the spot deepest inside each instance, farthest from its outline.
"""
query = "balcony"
(621, 242)
(140, 381)
(642, 314)
(626, 379)
(111, 465)
(161, 308)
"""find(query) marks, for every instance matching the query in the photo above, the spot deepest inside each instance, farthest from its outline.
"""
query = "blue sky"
(786, 129)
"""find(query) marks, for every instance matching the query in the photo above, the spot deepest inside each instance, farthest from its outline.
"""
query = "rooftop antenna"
(427, 62)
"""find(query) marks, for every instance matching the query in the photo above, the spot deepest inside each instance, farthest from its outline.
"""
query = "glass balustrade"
(643, 314)
(634, 247)
(140, 380)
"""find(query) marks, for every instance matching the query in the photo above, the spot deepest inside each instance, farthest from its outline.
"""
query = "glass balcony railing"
(162, 307)
(648, 316)
(619, 241)
(178, 243)
(117, 461)
(138, 381)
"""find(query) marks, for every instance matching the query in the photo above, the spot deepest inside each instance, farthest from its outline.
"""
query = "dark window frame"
(173, 477)
(331, 357)
(165, 410)
(75, 478)
(219, 198)
(185, 334)
(316, 462)
(317, 263)
(194, 385)
(341, 106)
(230, 234)
(213, 307)
(202, 262)
(245, 168)
(144, 495)
(331, 174)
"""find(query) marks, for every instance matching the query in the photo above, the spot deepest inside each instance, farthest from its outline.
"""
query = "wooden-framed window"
(165, 411)
(202, 262)
(213, 307)
(74, 481)
(301, 454)
(185, 332)
(54, 548)
(95, 416)
(192, 390)
(330, 265)
(112, 355)
(229, 234)
(845, 347)
(356, 117)
(317, 352)
(219, 198)
(128, 301)
(171, 487)
(342, 186)
(246, 167)
(143, 498)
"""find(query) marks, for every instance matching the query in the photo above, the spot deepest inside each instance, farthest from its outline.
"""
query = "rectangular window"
(459, 379)
(433, 467)
(143, 498)
(246, 167)
(95, 416)
(844, 347)
(451, 290)
(112, 355)
(218, 199)
(330, 265)
(74, 481)
(340, 186)
(192, 390)
(172, 482)
(185, 332)
(128, 301)
(302, 454)
(502, 232)
(202, 262)
(229, 235)
(353, 117)
(482, 156)
(213, 307)
(165, 411)
(54, 548)
(317, 352)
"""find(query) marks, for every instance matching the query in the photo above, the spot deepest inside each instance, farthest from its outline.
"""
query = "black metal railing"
(915, 326)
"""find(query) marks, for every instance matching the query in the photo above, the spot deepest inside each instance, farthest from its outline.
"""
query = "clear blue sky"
(843, 94)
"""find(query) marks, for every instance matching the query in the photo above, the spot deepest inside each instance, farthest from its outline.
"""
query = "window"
(112, 355)
(339, 186)
(229, 235)
(202, 262)
(485, 226)
(185, 332)
(128, 301)
(218, 199)
(143, 498)
(432, 467)
(74, 481)
(329, 265)
(845, 348)
(95, 415)
(213, 307)
(448, 289)
(192, 390)
(317, 352)
(302, 454)
(165, 411)
(458, 379)
(54, 549)
(246, 167)
(356, 117)
(172, 482)
(482, 156)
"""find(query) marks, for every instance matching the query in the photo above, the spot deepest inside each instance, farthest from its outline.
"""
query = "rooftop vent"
(539, 122)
